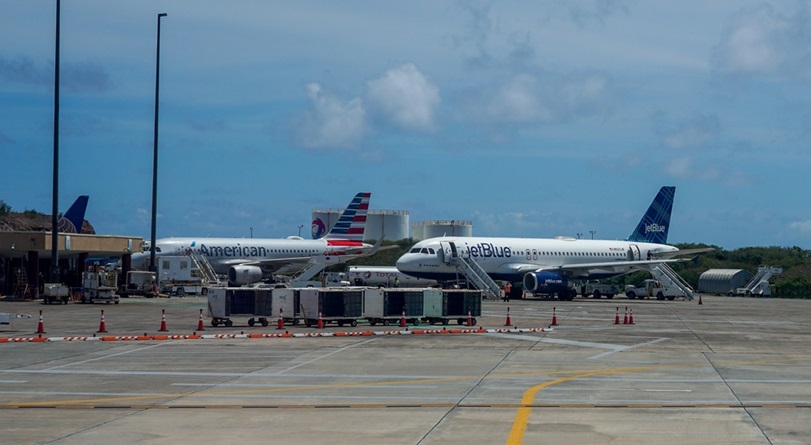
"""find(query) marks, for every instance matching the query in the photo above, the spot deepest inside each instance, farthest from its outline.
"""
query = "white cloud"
(406, 98)
(542, 99)
(763, 42)
(685, 168)
(331, 123)
(698, 131)
(800, 226)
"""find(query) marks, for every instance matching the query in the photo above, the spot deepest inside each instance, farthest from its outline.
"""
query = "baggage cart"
(288, 301)
(443, 305)
(339, 305)
(224, 302)
(387, 305)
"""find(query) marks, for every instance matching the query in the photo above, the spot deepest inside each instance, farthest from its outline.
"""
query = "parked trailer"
(288, 300)
(342, 305)
(224, 302)
(442, 305)
(388, 306)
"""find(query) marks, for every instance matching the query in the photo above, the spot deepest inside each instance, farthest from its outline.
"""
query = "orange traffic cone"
(617, 316)
(402, 319)
(200, 322)
(40, 326)
(699, 300)
(163, 321)
(320, 324)
(469, 317)
(631, 317)
(554, 317)
(625, 319)
(280, 324)
(508, 323)
(102, 324)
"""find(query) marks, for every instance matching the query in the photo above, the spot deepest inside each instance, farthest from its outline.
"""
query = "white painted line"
(106, 356)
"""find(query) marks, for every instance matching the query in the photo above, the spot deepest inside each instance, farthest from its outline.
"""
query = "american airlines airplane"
(249, 260)
(547, 265)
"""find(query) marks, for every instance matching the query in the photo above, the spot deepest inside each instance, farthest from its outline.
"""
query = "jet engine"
(240, 275)
(547, 283)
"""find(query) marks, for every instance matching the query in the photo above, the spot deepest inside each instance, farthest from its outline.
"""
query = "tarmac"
(728, 371)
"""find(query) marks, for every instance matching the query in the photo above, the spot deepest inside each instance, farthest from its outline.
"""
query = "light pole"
(155, 150)
(299, 229)
(592, 232)
(54, 277)
(251, 232)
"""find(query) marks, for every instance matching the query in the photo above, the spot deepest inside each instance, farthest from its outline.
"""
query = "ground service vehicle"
(652, 288)
(597, 290)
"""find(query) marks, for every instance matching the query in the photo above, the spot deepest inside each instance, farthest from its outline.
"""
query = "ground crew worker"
(396, 281)
(507, 289)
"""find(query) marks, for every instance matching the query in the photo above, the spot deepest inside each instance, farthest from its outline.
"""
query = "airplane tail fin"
(71, 221)
(655, 223)
(352, 223)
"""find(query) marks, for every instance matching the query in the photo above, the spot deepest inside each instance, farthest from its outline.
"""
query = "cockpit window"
(415, 250)
(431, 251)
(424, 250)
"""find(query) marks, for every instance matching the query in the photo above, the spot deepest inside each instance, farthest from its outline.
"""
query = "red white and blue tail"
(351, 225)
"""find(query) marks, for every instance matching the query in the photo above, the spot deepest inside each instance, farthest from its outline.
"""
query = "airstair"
(470, 269)
(763, 274)
(313, 268)
(669, 278)
(205, 268)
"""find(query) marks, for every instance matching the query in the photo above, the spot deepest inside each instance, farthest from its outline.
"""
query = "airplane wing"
(268, 266)
(684, 252)
(586, 269)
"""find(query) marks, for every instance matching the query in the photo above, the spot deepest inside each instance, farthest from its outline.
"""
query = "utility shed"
(723, 281)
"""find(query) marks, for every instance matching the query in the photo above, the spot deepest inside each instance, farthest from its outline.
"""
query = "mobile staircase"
(205, 268)
(756, 285)
(669, 278)
(470, 269)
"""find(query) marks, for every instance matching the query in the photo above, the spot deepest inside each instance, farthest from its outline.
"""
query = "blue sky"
(527, 118)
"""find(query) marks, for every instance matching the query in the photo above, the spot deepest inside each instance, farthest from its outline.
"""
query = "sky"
(530, 119)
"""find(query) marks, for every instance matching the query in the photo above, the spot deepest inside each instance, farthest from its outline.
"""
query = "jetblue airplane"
(547, 266)
(249, 260)
(72, 220)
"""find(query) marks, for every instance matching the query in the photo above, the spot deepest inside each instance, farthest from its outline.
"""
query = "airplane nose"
(403, 263)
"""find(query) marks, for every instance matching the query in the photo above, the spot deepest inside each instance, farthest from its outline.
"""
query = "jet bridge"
(469, 268)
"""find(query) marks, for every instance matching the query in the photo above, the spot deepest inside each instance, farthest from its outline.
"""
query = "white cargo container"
(342, 305)
(288, 301)
(225, 302)
(388, 305)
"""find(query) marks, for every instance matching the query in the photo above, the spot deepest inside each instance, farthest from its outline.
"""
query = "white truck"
(179, 276)
(597, 290)
(384, 276)
(140, 282)
(652, 288)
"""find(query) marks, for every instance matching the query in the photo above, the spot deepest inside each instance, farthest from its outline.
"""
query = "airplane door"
(633, 253)
(448, 250)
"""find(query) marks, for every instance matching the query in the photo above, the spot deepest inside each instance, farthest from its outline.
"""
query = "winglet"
(654, 226)
(71, 221)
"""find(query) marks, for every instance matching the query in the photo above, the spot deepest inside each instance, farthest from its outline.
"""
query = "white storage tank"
(392, 225)
(421, 230)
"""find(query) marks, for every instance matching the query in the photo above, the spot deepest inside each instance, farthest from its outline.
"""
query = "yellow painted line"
(519, 427)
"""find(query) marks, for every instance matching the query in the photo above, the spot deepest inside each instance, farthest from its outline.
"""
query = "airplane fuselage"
(223, 253)
(511, 258)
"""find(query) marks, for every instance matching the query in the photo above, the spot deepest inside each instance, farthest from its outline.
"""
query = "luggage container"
(223, 302)
(442, 305)
(288, 300)
(339, 305)
(386, 305)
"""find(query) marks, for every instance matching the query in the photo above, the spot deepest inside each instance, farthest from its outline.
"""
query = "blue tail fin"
(351, 225)
(655, 224)
(71, 221)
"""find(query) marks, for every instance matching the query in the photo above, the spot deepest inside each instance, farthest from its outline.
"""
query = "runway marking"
(105, 357)
(326, 355)
(509, 406)
(612, 348)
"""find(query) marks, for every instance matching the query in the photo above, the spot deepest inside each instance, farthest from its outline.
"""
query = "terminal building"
(25, 258)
